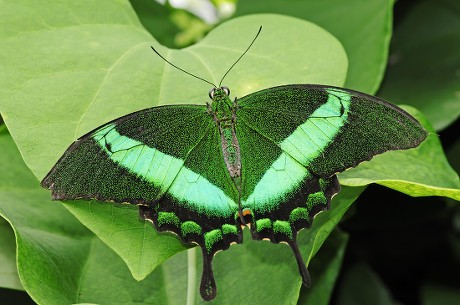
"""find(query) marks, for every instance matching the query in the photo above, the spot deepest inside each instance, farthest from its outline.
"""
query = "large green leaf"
(159, 82)
(74, 86)
(425, 61)
(422, 171)
(362, 26)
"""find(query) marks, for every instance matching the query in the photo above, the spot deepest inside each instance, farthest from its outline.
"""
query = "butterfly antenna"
(258, 32)
(191, 74)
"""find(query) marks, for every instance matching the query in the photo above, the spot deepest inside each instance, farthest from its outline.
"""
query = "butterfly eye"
(226, 90)
(211, 93)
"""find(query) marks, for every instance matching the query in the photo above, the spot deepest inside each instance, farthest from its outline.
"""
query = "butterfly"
(267, 161)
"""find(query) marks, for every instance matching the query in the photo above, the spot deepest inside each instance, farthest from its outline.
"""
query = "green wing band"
(147, 163)
(165, 172)
(308, 141)
(281, 179)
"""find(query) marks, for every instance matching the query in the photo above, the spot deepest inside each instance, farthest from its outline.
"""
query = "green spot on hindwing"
(282, 227)
(316, 199)
(298, 214)
(168, 218)
(210, 238)
(190, 227)
(264, 223)
(229, 229)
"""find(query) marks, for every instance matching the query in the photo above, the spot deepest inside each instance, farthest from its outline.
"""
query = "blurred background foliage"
(401, 250)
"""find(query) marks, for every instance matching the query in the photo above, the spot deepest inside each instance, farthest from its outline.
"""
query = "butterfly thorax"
(223, 111)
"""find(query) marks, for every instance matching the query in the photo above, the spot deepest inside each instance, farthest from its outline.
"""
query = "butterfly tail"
(300, 262)
(208, 288)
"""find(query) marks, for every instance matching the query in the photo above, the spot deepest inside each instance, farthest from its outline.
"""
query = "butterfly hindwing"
(201, 208)
(279, 195)
(201, 202)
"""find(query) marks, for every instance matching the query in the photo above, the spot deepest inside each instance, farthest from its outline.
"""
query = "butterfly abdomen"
(223, 112)
(231, 151)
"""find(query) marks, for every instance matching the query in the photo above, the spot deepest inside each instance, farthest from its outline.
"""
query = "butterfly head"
(221, 106)
(219, 94)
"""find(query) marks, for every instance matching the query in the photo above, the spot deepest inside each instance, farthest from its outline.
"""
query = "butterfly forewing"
(129, 159)
(329, 129)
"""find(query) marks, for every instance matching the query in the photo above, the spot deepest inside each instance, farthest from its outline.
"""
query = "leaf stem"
(191, 276)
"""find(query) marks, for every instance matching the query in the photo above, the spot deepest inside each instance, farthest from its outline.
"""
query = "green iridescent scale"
(267, 161)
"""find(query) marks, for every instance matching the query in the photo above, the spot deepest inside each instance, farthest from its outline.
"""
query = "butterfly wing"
(304, 135)
(329, 129)
(169, 161)
(280, 194)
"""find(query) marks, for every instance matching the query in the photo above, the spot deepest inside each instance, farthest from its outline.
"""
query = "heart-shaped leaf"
(82, 97)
